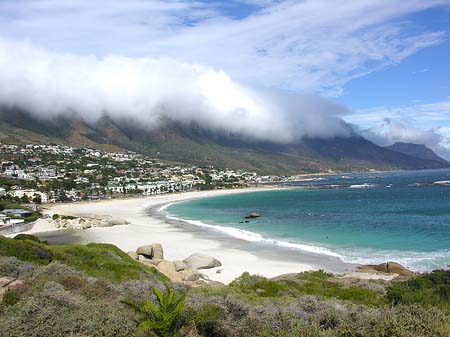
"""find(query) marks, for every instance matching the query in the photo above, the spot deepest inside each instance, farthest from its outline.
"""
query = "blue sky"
(385, 61)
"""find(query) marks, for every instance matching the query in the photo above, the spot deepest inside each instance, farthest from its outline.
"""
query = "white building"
(30, 194)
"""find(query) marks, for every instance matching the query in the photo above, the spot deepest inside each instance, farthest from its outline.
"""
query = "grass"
(316, 283)
(66, 302)
(95, 259)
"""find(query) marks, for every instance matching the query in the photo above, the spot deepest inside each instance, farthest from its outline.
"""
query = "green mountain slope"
(190, 144)
(416, 150)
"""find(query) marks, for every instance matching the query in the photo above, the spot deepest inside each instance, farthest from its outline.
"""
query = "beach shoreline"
(148, 224)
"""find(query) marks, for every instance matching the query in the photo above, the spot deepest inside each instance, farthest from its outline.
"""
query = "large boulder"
(118, 222)
(388, 268)
(7, 283)
(201, 261)
(158, 252)
(180, 265)
(168, 269)
(190, 275)
(133, 255)
(397, 268)
(143, 258)
(146, 251)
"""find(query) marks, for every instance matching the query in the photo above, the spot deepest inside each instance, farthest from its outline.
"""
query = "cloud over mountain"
(149, 90)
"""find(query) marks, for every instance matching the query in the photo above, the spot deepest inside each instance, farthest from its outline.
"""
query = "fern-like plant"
(162, 318)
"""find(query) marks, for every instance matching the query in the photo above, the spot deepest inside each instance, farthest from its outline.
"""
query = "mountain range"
(189, 143)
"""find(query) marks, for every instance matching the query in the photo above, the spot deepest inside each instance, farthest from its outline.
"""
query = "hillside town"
(39, 174)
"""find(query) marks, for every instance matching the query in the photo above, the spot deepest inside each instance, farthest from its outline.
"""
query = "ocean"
(401, 216)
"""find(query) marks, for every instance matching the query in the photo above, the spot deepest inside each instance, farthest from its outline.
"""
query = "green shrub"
(10, 297)
(27, 237)
(68, 217)
(431, 289)
(95, 259)
(164, 318)
(205, 319)
(55, 216)
(26, 250)
(260, 285)
(308, 283)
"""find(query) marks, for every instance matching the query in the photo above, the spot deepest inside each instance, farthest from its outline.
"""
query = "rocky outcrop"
(133, 255)
(180, 265)
(7, 283)
(387, 268)
(157, 251)
(146, 251)
(185, 271)
(201, 261)
(190, 275)
(252, 215)
(153, 251)
(168, 269)
(71, 222)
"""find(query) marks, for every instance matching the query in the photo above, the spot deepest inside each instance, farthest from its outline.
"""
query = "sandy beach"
(147, 225)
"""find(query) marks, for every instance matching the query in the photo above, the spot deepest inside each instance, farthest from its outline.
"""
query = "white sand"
(177, 244)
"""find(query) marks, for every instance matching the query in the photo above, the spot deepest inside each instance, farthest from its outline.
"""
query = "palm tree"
(163, 318)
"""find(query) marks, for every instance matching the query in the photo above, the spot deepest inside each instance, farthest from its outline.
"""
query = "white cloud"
(310, 45)
(419, 123)
(201, 61)
(149, 90)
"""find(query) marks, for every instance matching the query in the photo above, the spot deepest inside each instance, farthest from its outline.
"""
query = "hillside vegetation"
(189, 143)
(96, 290)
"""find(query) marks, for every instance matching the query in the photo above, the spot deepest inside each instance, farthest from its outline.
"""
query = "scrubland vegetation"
(97, 290)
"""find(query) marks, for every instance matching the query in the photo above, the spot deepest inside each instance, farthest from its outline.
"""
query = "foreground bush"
(80, 291)
(163, 318)
(431, 289)
(95, 259)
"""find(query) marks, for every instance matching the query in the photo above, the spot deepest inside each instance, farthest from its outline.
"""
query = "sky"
(268, 69)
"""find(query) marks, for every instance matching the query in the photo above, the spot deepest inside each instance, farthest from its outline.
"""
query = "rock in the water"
(252, 215)
(190, 275)
(388, 268)
(133, 255)
(168, 269)
(201, 261)
(158, 252)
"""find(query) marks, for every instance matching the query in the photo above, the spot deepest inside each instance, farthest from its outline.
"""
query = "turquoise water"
(361, 218)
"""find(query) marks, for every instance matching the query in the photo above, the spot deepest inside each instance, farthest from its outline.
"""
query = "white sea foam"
(163, 207)
(416, 261)
(258, 238)
(365, 185)
(442, 182)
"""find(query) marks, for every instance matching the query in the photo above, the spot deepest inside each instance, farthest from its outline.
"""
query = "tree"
(24, 199)
(37, 199)
(164, 318)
